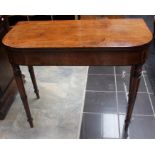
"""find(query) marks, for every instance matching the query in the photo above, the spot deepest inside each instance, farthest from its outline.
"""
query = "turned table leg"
(21, 89)
(36, 90)
(135, 75)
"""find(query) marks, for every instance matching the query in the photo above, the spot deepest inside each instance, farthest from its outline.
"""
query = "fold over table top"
(79, 34)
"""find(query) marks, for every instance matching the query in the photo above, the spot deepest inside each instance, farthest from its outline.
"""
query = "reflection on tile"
(101, 70)
(110, 126)
(123, 70)
(57, 114)
(148, 84)
(100, 102)
(142, 104)
(91, 126)
(101, 83)
(121, 123)
(123, 83)
(141, 127)
(96, 126)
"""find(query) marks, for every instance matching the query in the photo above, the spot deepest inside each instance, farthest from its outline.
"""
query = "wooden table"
(107, 42)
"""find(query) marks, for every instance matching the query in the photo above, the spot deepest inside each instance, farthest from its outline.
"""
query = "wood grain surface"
(79, 34)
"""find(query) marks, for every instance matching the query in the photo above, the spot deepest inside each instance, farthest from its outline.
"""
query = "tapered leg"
(21, 89)
(135, 75)
(36, 90)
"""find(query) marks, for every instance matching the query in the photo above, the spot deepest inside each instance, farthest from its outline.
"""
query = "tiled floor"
(106, 102)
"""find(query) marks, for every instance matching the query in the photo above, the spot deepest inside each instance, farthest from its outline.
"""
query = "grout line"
(93, 113)
(104, 91)
(117, 102)
(148, 94)
(82, 107)
(140, 115)
(101, 74)
(121, 113)
(96, 91)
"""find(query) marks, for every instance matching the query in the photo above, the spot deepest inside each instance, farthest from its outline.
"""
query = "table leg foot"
(32, 75)
(133, 88)
(21, 89)
(30, 122)
(125, 130)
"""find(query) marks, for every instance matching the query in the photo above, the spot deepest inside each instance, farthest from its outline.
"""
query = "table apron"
(79, 58)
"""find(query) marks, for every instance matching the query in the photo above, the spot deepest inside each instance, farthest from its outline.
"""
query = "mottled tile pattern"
(101, 83)
(102, 102)
(57, 114)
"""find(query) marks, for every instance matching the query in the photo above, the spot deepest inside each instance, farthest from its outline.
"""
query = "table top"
(79, 34)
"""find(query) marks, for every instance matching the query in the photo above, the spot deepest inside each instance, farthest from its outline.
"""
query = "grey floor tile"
(122, 102)
(123, 83)
(100, 83)
(100, 102)
(148, 84)
(141, 127)
(101, 70)
(91, 126)
(143, 124)
(142, 105)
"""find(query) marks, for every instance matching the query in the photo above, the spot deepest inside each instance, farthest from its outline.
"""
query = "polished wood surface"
(20, 85)
(135, 75)
(85, 42)
(79, 34)
(32, 75)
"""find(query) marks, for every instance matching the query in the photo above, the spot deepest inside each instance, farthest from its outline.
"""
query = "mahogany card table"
(106, 42)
